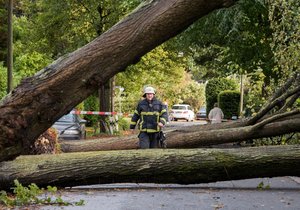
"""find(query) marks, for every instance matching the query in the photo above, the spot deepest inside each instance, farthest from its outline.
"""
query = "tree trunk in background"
(190, 166)
(105, 104)
(10, 47)
(42, 99)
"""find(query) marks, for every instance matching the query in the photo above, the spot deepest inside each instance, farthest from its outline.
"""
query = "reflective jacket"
(148, 115)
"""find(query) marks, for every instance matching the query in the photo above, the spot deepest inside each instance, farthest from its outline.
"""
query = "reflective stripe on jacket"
(148, 115)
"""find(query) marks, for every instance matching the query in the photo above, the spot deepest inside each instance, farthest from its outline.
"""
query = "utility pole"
(10, 47)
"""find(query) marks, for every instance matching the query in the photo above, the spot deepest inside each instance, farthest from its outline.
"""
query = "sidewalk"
(261, 193)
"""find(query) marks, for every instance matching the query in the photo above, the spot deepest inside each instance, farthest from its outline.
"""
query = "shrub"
(91, 104)
(214, 87)
(124, 123)
(229, 101)
(3, 78)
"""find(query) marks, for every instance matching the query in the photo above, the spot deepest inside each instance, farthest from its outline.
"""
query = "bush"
(229, 101)
(3, 78)
(91, 104)
(214, 87)
(124, 123)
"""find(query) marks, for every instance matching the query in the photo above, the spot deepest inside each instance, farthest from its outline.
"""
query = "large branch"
(152, 166)
(286, 86)
(274, 118)
(189, 139)
(39, 101)
(290, 88)
(289, 104)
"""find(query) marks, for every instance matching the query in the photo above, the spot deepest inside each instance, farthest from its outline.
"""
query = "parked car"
(70, 126)
(201, 114)
(182, 111)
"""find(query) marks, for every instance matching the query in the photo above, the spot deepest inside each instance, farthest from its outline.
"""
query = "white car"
(182, 111)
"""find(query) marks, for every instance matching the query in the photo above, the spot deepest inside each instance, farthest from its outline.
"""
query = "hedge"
(229, 101)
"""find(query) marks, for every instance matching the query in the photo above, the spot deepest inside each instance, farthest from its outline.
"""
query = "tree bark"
(152, 166)
(42, 99)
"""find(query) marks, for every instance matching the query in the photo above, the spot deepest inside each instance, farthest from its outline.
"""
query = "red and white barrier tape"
(99, 113)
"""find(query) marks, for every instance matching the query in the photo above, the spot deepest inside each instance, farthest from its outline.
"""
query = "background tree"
(228, 41)
(47, 30)
(163, 69)
(285, 25)
(3, 30)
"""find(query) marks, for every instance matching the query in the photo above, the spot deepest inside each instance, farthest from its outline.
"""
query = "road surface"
(274, 193)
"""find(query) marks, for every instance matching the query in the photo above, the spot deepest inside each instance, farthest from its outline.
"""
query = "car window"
(202, 109)
(67, 118)
(179, 107)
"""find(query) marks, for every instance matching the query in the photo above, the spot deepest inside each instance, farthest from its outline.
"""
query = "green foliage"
(287, 139)
(124, 123)
(3, 80)
(91, 104)
(193, 94)
(254, 37)
(24, 196)
(60, 27)
(162, 69)
(237, 38)
(214, 87)
(3, 30)
(285, 23)
(229, 102)
(254, 96)
(28, 64)
(262, 186)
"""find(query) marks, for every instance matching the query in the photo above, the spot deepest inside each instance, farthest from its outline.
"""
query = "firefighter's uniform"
(146, 117)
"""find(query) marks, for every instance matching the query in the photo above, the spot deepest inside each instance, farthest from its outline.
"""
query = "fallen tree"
(188, 139)
(39, 101)
(271, 120)
(152, 166)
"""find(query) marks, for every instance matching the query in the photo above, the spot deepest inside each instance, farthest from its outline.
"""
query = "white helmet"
(149, 90)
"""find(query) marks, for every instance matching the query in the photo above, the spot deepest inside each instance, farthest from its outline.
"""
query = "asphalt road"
(276, 193)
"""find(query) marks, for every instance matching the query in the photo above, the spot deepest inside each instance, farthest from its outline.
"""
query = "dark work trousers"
(148, 140)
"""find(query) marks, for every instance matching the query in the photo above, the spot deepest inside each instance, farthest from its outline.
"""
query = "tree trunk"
(10, 47)
(39, 101)
(105, 104)
(188, 138)
(152, 166)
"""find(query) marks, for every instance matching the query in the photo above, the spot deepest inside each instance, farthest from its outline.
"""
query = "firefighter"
(150, 116)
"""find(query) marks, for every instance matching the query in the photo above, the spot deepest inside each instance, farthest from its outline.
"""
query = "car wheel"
(189, 119)
(83, 132)
(83, 135)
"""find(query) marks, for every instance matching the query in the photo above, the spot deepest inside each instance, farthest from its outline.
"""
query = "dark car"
(70, 126)
(201, 114)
